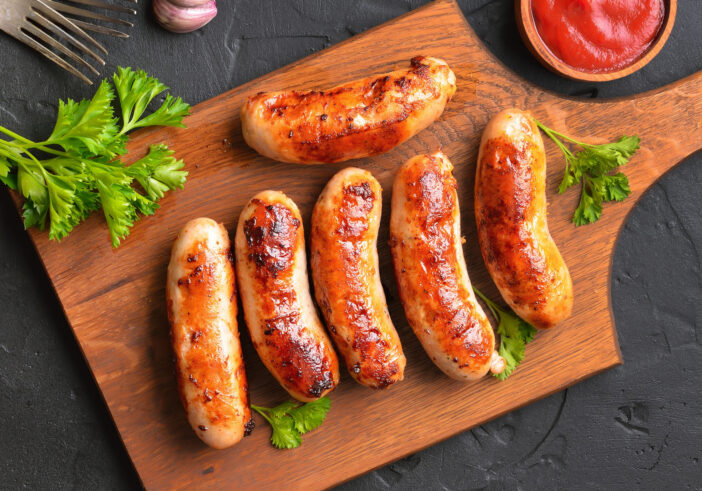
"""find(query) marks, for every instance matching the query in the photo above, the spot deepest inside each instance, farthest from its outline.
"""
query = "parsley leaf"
(284, 434)
(158, 172)
(85, 126)
(311, 415)
(84, 172)
(591, 167)
(282, 409)
(136, 90)
(290, 420)
(515, 334)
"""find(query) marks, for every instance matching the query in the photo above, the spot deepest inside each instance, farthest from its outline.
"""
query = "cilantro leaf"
(569, 180)
(34, 214)
(120, 204)
(31, 182)
(62, 213)
(10, 180)
(282, 409)
(591, 168)
(527, 331)
(171, 113)
(5, 167)
(615, 187)
(290, 420)
(136, 90)
(589, 209)
(8, 173)
(86, 174)
(515, 334)
(311, 415)
(84, 127)
(284, 434)
(158, 172)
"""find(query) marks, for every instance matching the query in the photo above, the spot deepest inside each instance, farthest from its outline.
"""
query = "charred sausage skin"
(201, 304)
(281, 318)
(344, 261)
(358, 119)
(510, 211)
(431, 273)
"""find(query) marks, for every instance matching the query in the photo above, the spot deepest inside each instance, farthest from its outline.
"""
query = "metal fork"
(41, 24)
(33, 21)
(72, 12)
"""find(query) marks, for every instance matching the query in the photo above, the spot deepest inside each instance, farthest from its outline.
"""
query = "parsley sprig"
(593, 166)
(515, 333)
(290, 420)
(77, 169)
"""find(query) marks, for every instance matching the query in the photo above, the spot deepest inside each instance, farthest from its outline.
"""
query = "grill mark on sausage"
(203, 364)
(362, 336)
(272, 234)
(507, 236)
(382, 102)
(356, 203)
(431, 204)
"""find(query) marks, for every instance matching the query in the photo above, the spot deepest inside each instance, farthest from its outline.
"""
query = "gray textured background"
(636, 426)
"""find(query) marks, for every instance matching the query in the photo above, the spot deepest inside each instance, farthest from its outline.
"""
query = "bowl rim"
(538, 48)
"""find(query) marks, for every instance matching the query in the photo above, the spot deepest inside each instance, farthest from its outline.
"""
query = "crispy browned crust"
(273, 234)
(321, 126)
(206, 364)
(510, 209)
(342, 245)
(426, 269)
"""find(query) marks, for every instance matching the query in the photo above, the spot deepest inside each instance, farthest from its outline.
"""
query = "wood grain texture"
(114, 299)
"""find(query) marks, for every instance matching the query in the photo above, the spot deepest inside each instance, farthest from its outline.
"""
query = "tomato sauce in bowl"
(598, 36)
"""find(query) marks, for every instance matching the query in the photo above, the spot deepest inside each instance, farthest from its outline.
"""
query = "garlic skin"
(183, 16)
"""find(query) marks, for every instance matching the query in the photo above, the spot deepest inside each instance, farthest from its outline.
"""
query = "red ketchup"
(598, 36)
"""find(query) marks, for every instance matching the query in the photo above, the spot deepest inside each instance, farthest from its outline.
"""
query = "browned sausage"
(427, 251)
(344, 260)
(510, 211)
(358, 119)
(272, 270)
(201, 301)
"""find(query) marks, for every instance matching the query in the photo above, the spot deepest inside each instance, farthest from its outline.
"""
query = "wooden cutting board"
(114, 299)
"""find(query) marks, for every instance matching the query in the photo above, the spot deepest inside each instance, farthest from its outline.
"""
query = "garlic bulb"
(184, 15)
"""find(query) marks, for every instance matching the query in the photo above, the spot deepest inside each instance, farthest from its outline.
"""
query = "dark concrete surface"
(638, 426)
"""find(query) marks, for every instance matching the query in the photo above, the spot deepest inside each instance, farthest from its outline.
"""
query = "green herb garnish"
(77, 170)
(592, 166)
(515, 333)
(291, 420)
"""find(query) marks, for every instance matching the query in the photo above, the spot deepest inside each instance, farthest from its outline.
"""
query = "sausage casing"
(201, 302)
(282, 320)
(344, 261)
(432, 279)
(510, 211)
(358, 119)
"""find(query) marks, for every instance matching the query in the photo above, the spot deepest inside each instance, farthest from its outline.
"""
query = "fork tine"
(107, 6)
(51, 14)
(38, 33)
(67, 9)
(101, 29)
(32, 43)
(56, 29)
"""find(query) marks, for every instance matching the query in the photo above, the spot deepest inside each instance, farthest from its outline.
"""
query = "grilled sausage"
(201, 303)
(427, 252)
(271, 268)
(358, 119)
(510, 211)
(344, 261)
